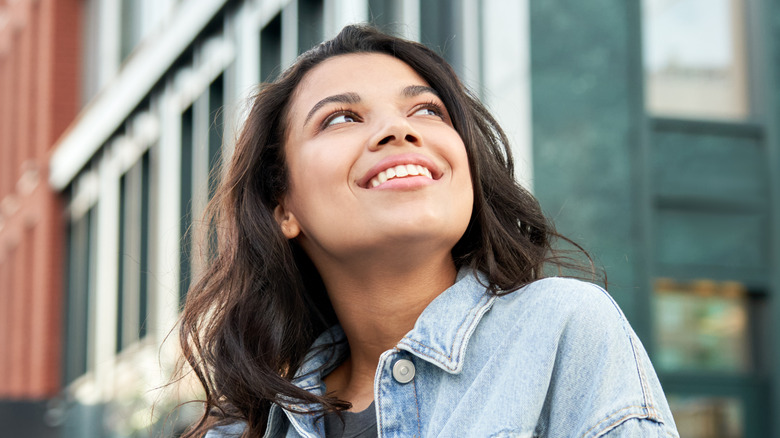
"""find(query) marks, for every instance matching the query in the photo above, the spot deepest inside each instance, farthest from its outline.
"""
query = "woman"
(379, 272)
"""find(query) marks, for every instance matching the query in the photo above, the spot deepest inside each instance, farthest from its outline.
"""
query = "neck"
(376, 306)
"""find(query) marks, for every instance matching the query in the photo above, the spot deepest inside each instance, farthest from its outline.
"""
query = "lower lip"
(405, 183)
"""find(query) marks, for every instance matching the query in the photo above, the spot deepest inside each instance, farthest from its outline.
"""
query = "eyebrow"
(416, 90)
(353, 98)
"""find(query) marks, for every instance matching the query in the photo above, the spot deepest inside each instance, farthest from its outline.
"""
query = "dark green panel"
(587, 120)
(715, 239)
(769, 22)
(709, 166)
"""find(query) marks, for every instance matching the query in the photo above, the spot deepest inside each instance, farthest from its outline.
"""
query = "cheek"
(319, 176)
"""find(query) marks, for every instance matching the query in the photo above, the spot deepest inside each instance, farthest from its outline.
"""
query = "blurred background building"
(648, 129)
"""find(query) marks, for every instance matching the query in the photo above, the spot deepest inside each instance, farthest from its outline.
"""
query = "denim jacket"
(556, 358)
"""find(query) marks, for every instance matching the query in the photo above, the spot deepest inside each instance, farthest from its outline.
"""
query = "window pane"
(80, 283)
(310, 24)
(123, 263)
(143, 299)
(186, 201)
(216, 127)
(90, 50)
(439, 30)
(386, 15)
(702, 325)
(271, 49)
(131, 26)
(695, 58)
(708, 417)
(133, 254)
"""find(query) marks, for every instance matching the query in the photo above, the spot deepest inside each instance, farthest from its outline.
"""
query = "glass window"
(708, 417)
(702, 326)
(185, 207)
(216, 127)
(271, 49)
(132, 292)
(386, 15)
(90, 50)
(695, 58)
(439, 30)
(80, 286)
(310, 24)
(202, 128)
(131, 26)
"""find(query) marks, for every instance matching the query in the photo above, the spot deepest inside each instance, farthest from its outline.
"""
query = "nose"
(396, 131)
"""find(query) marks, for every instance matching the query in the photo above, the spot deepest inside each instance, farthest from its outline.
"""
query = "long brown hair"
(249, 321)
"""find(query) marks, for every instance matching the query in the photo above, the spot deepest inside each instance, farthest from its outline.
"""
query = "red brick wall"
(39, 97)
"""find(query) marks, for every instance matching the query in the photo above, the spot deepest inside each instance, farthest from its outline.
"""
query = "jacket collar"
(440, 335)
(442, 332)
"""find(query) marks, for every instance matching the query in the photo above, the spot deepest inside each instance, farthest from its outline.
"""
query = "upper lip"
(395, 160)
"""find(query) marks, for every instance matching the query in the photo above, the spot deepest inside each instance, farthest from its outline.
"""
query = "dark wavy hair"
(250, 319)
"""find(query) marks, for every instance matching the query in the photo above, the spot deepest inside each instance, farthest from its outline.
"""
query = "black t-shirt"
(354, 425)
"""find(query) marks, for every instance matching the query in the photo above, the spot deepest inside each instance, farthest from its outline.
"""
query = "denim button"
(403, 371)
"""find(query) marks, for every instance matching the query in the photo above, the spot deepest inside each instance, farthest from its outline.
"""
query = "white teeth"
(399, 171)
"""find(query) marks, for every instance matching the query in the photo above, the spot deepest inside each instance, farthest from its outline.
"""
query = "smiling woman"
(380, 272)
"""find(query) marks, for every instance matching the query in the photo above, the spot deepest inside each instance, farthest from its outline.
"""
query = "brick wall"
(40, 64)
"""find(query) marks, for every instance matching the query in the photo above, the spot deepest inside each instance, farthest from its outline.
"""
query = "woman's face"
(374, 163)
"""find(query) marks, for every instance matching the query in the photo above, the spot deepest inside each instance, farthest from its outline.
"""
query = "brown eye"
(426, 112)
(338, 119)
(430, 109)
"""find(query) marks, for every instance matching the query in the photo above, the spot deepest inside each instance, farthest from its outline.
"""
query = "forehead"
(357, 72)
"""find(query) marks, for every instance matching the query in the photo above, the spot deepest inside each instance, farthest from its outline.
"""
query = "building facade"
(654, 141)
(39, 84)
(661, 162)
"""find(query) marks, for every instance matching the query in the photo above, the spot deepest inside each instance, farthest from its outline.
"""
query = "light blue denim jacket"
(556, 358)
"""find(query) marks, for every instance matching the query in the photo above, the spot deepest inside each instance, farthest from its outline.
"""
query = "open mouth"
(415, 167)
(399, 171)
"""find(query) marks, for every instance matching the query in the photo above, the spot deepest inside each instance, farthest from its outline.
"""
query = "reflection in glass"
(702, 325)
(694, 56)
(707, 417)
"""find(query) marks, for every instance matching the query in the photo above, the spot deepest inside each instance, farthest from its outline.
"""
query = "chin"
(425, 232)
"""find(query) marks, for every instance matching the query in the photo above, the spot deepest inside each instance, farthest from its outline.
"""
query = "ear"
(290, 226)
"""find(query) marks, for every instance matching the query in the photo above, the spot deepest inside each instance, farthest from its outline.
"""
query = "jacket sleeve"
(602, 383)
